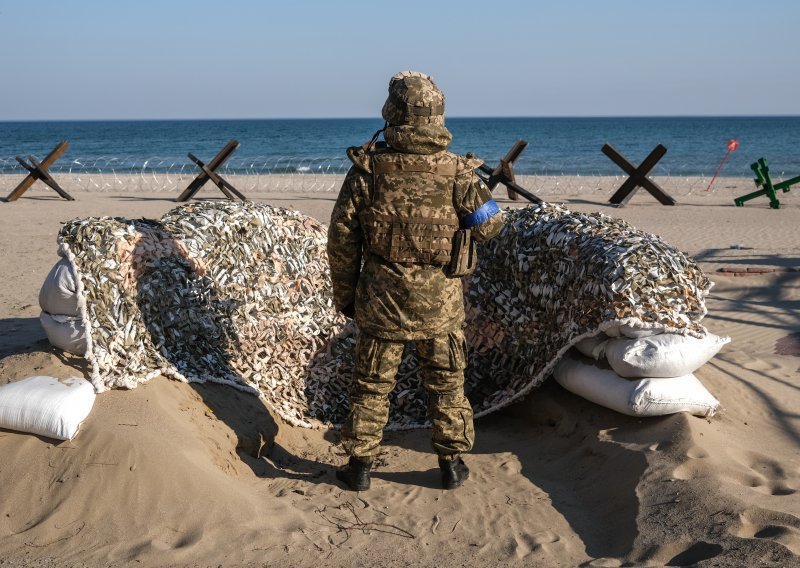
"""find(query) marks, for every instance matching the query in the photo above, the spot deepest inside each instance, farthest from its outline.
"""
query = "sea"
(696, 146)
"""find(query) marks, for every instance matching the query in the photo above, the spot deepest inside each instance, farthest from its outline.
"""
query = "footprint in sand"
(525, 544)
(696, 466)
(284, 487)
(771, 525)
(765, 474)
(759, 472)
(697, 552)
(511, 467)
(173, 539)
(691, 470)
(696, 453)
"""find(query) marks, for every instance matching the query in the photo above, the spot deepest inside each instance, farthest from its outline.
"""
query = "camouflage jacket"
(402, 301)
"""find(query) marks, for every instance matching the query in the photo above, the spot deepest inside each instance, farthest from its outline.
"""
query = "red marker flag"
(733, 144)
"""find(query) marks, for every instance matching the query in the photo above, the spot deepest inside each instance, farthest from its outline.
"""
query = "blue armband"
(482, 214)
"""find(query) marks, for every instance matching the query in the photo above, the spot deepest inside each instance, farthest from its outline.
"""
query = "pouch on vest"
(464, 256)
(408, 239)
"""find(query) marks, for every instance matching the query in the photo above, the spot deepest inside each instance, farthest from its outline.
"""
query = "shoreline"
(546, 185)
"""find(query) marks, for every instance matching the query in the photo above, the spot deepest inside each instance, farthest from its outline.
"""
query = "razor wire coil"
(262, 174)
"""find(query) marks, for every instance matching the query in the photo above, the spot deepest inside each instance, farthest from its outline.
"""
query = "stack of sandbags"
(641, 373)
(61, 314)
(240, 294)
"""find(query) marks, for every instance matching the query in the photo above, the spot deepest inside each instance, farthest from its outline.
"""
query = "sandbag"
(664, 355)
(660, 396)
(59, 293)
(643, 397)
(601, 386)
(593, 347)
(65, 332)
(46, 406)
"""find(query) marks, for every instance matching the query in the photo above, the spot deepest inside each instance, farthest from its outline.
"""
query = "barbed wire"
(156, 174)
(319, 174)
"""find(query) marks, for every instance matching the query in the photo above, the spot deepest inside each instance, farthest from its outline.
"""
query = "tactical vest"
(411, 216)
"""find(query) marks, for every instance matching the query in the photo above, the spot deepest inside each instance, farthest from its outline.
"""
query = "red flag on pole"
(733, 144)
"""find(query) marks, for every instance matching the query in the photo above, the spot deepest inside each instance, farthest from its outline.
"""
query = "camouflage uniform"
(397, 211)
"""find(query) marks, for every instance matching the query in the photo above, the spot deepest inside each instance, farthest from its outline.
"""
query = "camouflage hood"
(418, 139)
(414, 113)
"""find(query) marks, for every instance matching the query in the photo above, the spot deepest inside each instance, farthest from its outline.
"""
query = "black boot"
(355, 474)
(454, 472)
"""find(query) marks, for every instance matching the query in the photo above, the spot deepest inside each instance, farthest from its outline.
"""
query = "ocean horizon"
(556, 145)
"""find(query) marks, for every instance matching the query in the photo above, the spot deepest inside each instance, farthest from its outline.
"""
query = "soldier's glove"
(349, 310)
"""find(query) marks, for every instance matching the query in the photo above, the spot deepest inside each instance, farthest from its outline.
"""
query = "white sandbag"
(65, 332)
(593, 347)
(46, 406)
(660, 396)
(59, 293)
(643, 397)
(601, 386)
(664, 355)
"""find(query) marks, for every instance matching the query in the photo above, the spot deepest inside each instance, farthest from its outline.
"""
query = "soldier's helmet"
(414, 99)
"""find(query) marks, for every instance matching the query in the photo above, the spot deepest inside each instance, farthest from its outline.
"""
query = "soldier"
(399, 210)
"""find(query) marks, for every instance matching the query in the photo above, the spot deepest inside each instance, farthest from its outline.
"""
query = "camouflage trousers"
(442, 361)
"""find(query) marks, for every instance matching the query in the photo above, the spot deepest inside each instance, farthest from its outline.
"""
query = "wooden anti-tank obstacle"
(504, 173)
(637, 177)
(209, 172)
(38, 171)
(767, 187)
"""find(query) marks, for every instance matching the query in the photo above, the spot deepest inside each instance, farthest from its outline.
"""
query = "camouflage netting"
(239, 293)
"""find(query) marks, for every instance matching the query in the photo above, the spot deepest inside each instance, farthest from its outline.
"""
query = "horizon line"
(500, 117)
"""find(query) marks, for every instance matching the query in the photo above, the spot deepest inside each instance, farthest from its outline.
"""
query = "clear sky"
(136, 59)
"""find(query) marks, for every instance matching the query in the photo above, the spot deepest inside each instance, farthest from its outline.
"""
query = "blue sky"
(85, 59)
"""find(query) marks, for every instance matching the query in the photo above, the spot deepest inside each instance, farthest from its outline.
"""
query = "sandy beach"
(168, 474)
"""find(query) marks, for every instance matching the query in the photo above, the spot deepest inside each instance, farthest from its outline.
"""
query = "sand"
(172, 474)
